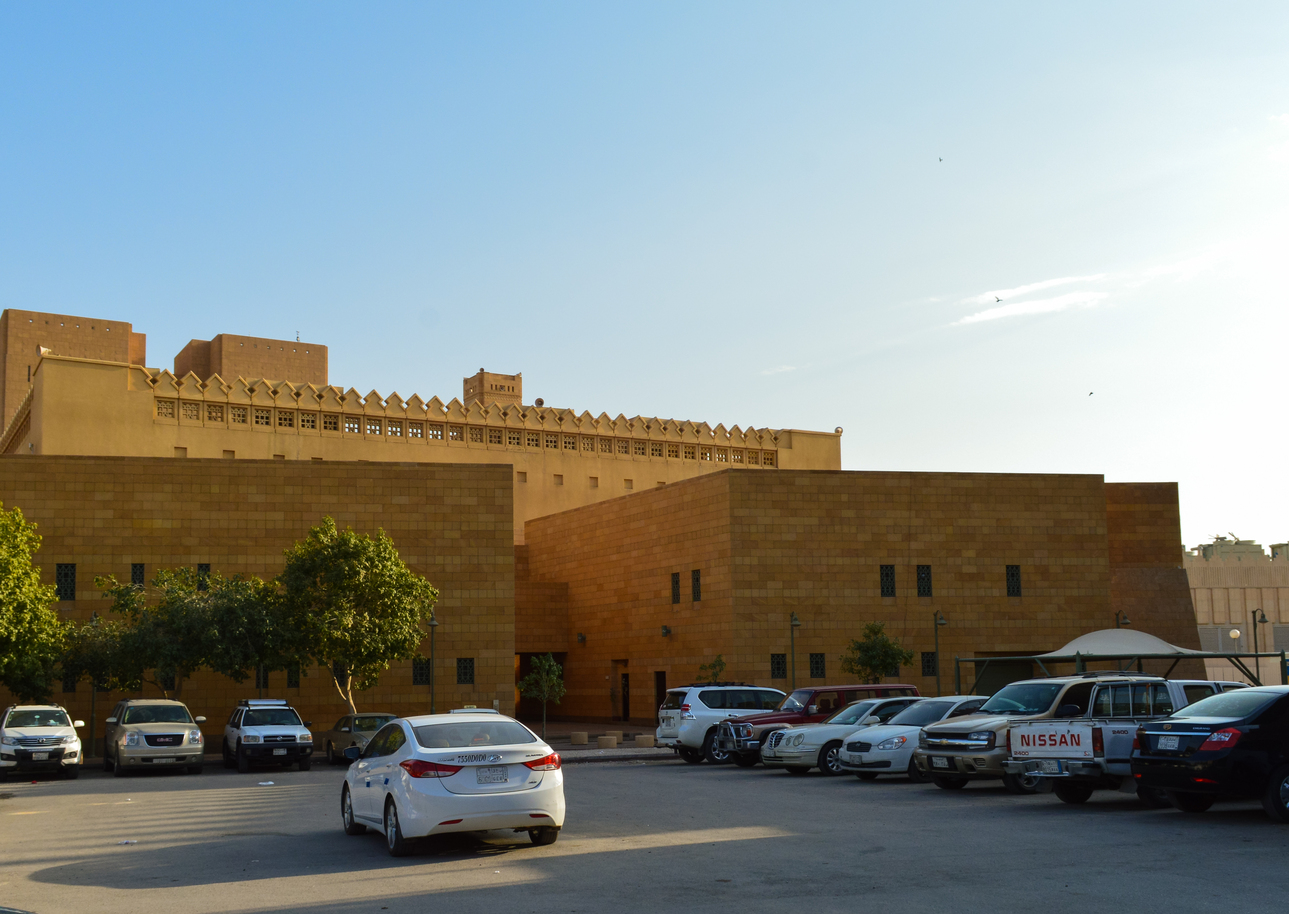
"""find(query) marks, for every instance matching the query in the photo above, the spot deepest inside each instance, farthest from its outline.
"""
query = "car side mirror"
(111, 720)
(812, 709)
(872, 719)
(344, 729)
(1068, 711)
(199, 719)
(78, 723)
(308, 723)
(352, 753)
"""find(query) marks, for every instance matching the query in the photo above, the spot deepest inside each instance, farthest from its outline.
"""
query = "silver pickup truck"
(1093, 752)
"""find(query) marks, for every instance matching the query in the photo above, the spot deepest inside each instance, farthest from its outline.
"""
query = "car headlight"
(10, 741)
(798, 739)
(305, 738)
(921, 740)
(132, 738)
(251, 739)
(987, 735)
(70, 740)
(194, 737)
(894, 742)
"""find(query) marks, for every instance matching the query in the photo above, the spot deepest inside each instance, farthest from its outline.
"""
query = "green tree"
(31, 633)
(545, 683)
(875, 655)
(712, 671)
(94, 652)
(358, 606)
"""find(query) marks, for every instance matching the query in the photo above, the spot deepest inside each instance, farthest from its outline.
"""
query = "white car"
(689, 716)
(266, 731)
(39, 738)
(804, 746)
(888, 749)
(464, 771)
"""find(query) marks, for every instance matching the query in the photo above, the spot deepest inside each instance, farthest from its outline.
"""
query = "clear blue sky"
(788, 215)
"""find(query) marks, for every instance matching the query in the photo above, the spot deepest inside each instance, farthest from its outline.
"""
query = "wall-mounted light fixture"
(666, 630)
(581, 638)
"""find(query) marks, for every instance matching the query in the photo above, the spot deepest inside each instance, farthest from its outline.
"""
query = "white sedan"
(807, 746)
(464, 771)
(888, 749)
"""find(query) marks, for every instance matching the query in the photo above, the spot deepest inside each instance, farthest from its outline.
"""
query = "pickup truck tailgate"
(1063, 739)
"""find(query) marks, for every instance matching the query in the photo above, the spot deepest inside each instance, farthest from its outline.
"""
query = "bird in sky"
(996, 298)
(1089, 393)
(942, 160)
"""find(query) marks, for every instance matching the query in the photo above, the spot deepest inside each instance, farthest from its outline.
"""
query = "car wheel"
(1021, 783)
(228, 756)
(1276, 798)
(711, 752)
(1191, 802)
(1074, 794)
(547, 834)
(746, 759)
(347, 814)
(71, 772)
(1153, 797)
(798, 770)
(395, 843)
(830, 759)
(867, 775)
(118, 770)
(306, 764)
(693, 756)
(331, 753)
(243, 760)
(107, 762)
(915, 773)
(949, 783)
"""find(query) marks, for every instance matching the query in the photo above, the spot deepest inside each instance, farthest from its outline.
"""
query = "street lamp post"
(434, 624)
(939, 620)
(793, 624)
(1121, 619)
(1257, 661)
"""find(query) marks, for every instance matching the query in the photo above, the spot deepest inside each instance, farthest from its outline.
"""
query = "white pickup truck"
(1094, 751)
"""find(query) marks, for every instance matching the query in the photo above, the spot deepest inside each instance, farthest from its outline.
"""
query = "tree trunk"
(346, 691)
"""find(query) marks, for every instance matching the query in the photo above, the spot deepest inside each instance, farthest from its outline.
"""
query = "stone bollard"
(644, 740)
(577, 738)
(616, 734)
(607, 742)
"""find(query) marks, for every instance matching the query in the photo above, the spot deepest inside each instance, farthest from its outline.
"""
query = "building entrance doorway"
(659, 690)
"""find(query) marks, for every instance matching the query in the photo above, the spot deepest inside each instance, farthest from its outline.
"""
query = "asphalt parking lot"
(639, 837)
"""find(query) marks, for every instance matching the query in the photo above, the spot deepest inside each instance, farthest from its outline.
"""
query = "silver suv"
(266, 731)
(689, 716)
(151, 732)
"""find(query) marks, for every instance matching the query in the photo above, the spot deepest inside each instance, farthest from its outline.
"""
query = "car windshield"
(1230, 705)
(852, 713)
(1022, 698)
(471, 734)
(42, 718)
(372, 721)
(796, 701)
(920, 713)
(157, 714)
(271, 717)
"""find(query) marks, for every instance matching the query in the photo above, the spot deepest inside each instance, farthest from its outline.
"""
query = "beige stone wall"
(450, 523)
(1226, 589)
(232, 356)
(560, 459)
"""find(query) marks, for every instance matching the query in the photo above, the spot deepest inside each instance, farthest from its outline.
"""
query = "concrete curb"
(584, 756)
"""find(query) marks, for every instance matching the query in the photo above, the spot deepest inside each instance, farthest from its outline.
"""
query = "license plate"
(491, 775)
(1167, 742)
(163, 761)
(1049, 766)
(279, 752)
(938, 762)
(39, 756)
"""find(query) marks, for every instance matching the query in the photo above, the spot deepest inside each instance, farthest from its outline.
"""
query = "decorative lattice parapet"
(286, 408)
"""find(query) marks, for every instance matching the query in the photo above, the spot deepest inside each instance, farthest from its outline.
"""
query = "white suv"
(266, 731)
(688, 718)
(39, 738)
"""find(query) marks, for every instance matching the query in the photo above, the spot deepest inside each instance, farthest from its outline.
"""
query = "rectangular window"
(1013, 580)
(214, 413)
(352, 425)
(924, 580)
(887, 577)
(639, 448)
(165, 409)
(552, 442)
(494, 436)
(138, 574)
(521, 475)
(534, 439)
(628, 484)
(559, 479)
(675, 587)
(588, 445)
(696, 584)
(65, 580)
(374, 427)
(395, 429)
(767, 459)
(309, 420)
(261, 678)
(285, 419)
(705, 453)
(570, 443)
(237, 414)
(624, 447)
(691, 452)
(738, 456)
(476, 436)
(191, 411)
(673, 451)
(420, 671)
(753, 458)
(778, 666)
(330, 422)
(817, 666)
(416, 429)
(203, 575)
(264, 417)
(722, 455)
(606, 446)
(465, 671)
(655, 448)
(929, 664)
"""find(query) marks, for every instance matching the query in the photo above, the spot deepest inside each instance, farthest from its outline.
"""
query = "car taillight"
(1220, 739)
(545, 763)
(685, 713)
(1136, 740)
(1009, 741)
(1098, 743)
(422, 769)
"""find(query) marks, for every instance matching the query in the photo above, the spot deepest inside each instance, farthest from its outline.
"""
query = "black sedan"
(1235, 744)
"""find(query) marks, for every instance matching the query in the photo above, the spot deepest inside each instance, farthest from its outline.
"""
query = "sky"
(987, 237)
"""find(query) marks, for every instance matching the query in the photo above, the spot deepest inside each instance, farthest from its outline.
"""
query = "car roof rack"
(699, 685)
(1120, 674)
(474, 711)
(263, 703)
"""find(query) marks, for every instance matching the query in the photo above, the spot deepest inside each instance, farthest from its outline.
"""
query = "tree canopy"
(545, 683)
(31, 633)
(712, 671)
(875, 655)
(357, 604)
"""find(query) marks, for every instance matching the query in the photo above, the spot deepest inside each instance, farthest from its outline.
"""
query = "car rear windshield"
(852, 713)
(1230, 705)
(1022, 698)
(472, 734)
(51, 718)
(372, 721)
(674, 701)
(796, 701)
(271, 717)
(920, 713)
(157, 714)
